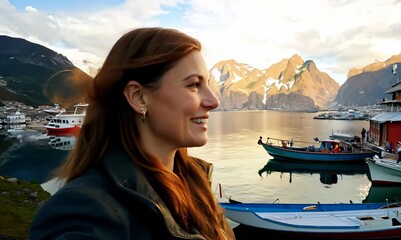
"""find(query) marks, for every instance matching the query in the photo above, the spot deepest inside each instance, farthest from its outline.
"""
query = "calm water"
(238, 159)
(241, 166)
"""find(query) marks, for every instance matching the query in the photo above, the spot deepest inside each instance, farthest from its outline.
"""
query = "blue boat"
(323, 221)
(330, 150)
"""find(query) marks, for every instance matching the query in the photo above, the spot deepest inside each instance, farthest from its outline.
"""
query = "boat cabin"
(331, 145)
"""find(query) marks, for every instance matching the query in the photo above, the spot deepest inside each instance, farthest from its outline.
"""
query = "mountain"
(35, 75)
(367, 86)
(291, 84)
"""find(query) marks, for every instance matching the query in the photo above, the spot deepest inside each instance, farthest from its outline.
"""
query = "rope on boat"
(288, 141)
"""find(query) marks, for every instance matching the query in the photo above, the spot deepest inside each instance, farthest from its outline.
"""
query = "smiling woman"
(130, 169)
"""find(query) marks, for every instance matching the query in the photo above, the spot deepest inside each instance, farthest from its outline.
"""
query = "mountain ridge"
(25, 71)
(33, 74)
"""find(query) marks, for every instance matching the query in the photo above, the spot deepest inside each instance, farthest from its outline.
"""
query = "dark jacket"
(113, 201)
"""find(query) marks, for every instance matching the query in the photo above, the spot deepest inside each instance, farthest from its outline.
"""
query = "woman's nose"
(210, 100)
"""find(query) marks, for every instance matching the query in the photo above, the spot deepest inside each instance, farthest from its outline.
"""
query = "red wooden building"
(386, 126)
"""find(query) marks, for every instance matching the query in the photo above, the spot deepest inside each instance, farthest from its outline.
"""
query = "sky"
(336, 34)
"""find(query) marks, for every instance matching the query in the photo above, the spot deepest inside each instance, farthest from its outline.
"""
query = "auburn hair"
(144, 54)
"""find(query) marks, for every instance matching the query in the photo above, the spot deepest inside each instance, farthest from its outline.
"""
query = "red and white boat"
(68, 122)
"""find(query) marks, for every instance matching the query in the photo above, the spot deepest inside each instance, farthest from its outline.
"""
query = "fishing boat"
(329, 150)
(384, 171)
(331, 220)
(68, 122)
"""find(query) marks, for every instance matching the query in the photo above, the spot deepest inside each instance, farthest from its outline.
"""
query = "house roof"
(386, 117)
(396, 87)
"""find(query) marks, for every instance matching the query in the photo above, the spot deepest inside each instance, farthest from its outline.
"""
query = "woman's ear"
(133, 93)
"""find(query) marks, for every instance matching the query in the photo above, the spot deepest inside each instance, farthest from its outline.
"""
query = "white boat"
(333, 221)
(68, 122)
(384, 171)
(56, 109)
(343, 115)
(341, 136)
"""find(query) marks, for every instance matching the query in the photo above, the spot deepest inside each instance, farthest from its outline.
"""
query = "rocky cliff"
(291, 84)
(367, 85)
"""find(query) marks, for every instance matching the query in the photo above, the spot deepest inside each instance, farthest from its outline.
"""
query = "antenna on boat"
(388, 208)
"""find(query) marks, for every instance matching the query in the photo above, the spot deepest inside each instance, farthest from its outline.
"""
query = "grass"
(18, 206)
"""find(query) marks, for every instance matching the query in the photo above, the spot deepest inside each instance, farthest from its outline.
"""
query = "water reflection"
(328, 171)
(62, 142)
(383, 193)
(232, 149)
(29, 157)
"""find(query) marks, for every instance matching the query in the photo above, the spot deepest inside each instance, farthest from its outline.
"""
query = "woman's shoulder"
(77, 205)
(82, 193)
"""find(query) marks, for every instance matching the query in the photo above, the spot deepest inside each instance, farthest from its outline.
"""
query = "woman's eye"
(194, 85)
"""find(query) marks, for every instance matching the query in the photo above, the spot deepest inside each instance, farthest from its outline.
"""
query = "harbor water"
(241, 166)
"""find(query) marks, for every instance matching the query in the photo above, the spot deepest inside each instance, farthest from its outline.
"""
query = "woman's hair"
(144, 55)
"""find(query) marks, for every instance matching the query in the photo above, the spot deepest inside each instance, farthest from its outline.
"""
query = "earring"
(143, 111)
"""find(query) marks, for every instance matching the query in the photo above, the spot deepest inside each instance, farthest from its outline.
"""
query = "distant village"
(18, 115)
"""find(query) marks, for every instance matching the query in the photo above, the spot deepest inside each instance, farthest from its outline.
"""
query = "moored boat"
(54, 110)
(68, 122)
(384, 171)
(330, 150)
(334, 221)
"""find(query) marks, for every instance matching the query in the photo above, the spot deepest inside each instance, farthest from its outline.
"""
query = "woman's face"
(179, 110)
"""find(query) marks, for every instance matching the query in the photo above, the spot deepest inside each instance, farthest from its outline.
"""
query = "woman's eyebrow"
(200, 77)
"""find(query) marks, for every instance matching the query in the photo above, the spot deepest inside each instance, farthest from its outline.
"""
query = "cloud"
(337, 34)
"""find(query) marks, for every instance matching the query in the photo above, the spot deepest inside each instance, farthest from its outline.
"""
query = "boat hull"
(384, 171)
(64, 130)
(252, 233)
(349, 221)
(287, 153)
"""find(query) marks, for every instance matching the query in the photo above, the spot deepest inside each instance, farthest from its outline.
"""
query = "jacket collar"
(132, 182)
